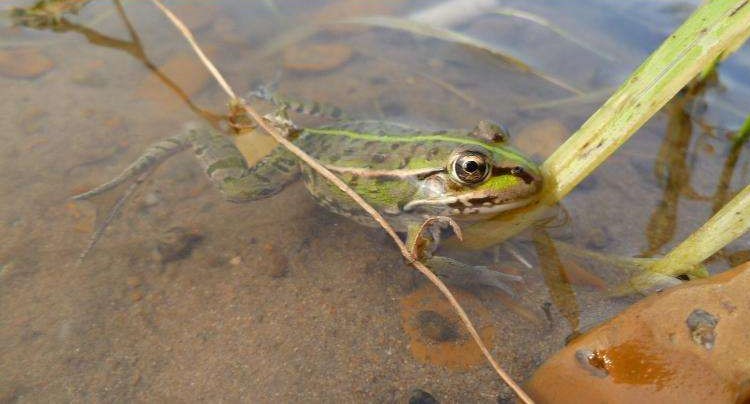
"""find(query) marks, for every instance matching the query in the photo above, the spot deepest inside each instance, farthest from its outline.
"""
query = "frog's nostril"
(521, 173)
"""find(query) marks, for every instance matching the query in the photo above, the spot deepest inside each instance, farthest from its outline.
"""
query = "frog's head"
(479, 180)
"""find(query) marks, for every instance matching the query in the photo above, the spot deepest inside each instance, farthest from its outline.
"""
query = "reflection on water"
(280, 298)
(672, 170)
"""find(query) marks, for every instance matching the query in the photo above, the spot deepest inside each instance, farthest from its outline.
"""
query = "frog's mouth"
(470, 204)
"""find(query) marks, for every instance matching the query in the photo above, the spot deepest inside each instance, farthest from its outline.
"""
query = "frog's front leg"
(422, 240)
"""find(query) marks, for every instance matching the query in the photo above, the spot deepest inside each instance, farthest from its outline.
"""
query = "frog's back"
(376, 145)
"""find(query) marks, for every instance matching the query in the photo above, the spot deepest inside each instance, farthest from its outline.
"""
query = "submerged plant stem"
(539, 20)
(444, 34)
(732, 221)
(202, 56)
(743, 133)
(320, 169)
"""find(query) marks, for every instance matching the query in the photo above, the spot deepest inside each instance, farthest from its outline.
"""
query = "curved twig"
(320, 169)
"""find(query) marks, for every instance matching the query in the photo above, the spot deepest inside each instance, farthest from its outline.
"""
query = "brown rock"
(342, 10)
(197, 15)
(22, 63)
(687, 344)
(176, 243)
(83, 215)
(185, 71)
(434, 326)
(437, 335)
(541, 138)
(133, 281)
(32, 120)
(702, 325)
(316, 57)
(226, 28)
(91, 74)
(275, 263)
(136, 296)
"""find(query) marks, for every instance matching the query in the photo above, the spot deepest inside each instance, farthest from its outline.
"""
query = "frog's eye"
(469, 167)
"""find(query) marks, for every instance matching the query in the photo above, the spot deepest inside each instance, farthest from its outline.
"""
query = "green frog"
(407, 174)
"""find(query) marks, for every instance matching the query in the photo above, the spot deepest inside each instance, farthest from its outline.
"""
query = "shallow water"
(279, 300)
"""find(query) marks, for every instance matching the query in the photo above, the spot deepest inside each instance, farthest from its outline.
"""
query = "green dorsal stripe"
(414, 138)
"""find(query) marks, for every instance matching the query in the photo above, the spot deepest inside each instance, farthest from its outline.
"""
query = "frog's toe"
(498, 280)
(465, 275)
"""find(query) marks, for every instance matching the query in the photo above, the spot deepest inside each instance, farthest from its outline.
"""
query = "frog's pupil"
(471, 166)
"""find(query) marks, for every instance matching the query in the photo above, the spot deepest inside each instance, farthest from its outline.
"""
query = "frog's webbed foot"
(461, 274)
(153, 156)
(138, 170)
(422, 242)
(111, 216)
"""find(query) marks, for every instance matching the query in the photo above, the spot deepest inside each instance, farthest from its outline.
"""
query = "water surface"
(279, 300)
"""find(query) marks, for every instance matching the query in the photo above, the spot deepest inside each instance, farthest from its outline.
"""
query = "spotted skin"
(392, 147)
(312, 108)
(222, 162)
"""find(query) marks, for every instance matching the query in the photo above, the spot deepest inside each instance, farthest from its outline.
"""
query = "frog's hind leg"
(228, 170)
(223, 162)
(153, 155)
(139, 169)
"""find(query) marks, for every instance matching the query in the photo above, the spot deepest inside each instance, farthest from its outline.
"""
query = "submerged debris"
(176, 243)
(419, 396)
(46, 13)
(702, 324)
(593, 361)
(436, 327)
(435, 333)
(276, 264)
(317, 58)
(23, 63)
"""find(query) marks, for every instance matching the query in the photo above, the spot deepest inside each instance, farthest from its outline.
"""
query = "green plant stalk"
(732, 221)
(696, 44)
(709, 32)
(443, 34)
(541, 21)
(743, 133)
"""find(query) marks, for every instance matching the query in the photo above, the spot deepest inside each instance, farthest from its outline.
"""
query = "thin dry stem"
(320, 169)
(191, 40)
